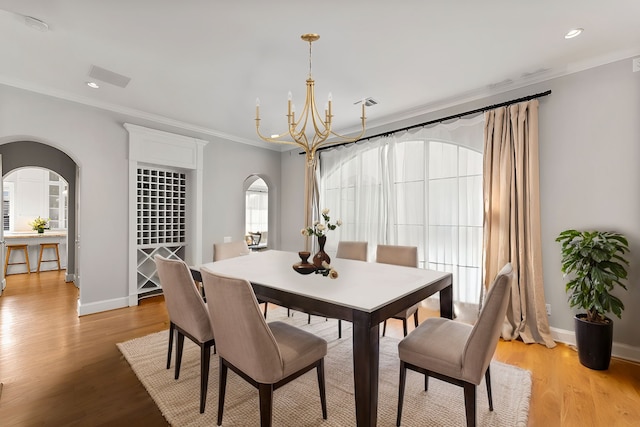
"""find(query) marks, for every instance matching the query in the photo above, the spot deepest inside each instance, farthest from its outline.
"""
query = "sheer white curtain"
(256, 213)
(351, 186)
(421, 188)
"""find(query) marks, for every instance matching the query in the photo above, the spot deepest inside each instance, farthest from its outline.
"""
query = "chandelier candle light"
(296, 133)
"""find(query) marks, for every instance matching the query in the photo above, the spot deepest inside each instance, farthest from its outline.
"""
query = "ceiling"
(199, 65)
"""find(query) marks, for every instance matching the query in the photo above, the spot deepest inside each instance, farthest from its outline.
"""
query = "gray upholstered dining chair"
(456, 352)
(231, 250)
(188, 316)
(352, 250)
(408, 257)
(266, 355)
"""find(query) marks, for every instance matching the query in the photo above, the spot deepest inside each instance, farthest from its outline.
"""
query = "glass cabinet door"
(57, 202)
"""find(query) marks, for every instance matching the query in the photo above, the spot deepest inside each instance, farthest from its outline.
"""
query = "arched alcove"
(263, 181)
(21, 154)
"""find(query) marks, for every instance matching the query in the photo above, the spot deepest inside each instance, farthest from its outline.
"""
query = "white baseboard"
(133, 300)
(622, 351)
(97, 307)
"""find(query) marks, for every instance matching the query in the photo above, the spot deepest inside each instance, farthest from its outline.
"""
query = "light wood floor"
(61, 369)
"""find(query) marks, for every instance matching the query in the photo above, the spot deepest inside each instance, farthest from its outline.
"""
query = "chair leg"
(470, 403)
(321, 388)
(205, 359)
(6, 260)
(179, 347)
(170, 345)
(487, 379)
(339, 328)
(288, 312)
(265, 309)
(426, 382)
(415, 319)
(401, 386)
(222, 387)
(309, 319)
(404, 327)
(384, 328)
(266, 404)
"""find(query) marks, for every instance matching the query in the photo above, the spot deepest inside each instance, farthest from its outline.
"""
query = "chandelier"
(319, 128)
(317, 136)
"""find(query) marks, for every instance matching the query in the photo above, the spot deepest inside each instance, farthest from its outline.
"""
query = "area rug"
(298, 403)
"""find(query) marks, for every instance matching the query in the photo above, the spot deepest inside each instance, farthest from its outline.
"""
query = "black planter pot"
(594, 342)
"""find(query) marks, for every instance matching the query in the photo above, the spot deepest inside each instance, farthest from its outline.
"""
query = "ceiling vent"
(107, 76)
(503, 83)
(535, 74)
(36, 24)
(368, 102)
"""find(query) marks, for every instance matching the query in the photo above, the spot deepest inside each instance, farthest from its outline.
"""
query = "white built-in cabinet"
(33, 192)
(165, 197)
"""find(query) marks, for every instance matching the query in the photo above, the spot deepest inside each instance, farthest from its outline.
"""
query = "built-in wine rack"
(161, 210)
(160, 222)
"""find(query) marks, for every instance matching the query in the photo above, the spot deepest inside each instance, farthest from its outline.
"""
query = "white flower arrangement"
(318, 228)
(327, 270)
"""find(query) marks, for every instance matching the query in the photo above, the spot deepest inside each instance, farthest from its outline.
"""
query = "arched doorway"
(23, 154)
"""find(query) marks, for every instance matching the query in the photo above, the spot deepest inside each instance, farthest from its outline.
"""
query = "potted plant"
(596, 262)
(39, 224)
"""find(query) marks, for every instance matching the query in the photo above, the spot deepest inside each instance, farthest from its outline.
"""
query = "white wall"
(29, 199)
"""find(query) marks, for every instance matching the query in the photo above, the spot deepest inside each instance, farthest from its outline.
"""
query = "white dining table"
(364, 293)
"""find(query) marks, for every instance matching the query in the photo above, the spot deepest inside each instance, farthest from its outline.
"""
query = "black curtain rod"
(443, 119)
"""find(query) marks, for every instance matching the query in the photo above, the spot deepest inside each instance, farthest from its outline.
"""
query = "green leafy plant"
(596, 261)
(39, 223)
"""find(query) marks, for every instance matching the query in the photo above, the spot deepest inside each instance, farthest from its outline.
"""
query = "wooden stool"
(23, 248)
(44, 246)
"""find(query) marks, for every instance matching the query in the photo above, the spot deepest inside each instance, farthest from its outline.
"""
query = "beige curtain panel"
(512, 217)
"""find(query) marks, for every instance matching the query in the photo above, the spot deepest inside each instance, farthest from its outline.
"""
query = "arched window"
(256, 211)
(416, 190)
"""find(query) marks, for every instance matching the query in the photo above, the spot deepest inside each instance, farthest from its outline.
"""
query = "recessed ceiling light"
(573, 33)
(93, 85)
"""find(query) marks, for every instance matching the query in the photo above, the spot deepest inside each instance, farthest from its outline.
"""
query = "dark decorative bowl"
(304, 267)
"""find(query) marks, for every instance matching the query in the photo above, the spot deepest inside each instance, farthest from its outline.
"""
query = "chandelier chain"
(310, 59)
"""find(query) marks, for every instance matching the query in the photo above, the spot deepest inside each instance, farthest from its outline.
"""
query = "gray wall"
(226, 166)
(98, 143)
(589, 174)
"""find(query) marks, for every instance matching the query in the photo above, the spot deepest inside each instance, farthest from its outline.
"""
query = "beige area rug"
(298, 403)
